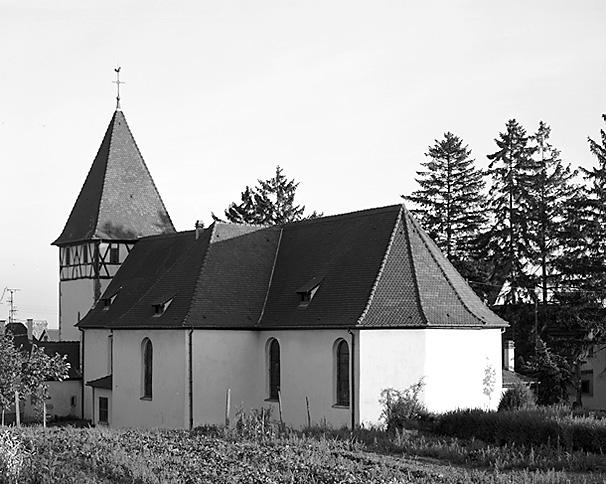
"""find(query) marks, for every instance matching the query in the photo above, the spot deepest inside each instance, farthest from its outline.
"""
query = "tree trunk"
(17, 411)
(579, 399)
(3, 416)
(44, 413)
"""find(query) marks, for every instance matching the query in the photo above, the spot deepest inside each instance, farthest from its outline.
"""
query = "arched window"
(274, 368)
(147, 358)
(342, 376)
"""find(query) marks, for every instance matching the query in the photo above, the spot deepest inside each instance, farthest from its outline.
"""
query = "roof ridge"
(111, 128)
(354, 214)
(146, 168)
(413, 267)
(441, 269)
(199, 276)
(271, 277)
(381, 269)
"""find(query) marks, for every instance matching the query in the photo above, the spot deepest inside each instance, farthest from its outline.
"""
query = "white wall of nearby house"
(168, 406)
(96, 363)
(458, 362)
(388, 358)
(594, 374)
(64, 401)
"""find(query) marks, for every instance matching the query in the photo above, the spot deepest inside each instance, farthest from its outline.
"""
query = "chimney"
(30, 329)
(508, 355)
(199, 228)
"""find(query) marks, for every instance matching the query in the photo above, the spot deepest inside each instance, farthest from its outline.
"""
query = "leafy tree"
(24, 373)
(271, 202)
(508, 241)
(36, 370)
(10, 371)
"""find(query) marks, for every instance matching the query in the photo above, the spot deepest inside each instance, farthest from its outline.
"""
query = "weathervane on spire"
(117, 82)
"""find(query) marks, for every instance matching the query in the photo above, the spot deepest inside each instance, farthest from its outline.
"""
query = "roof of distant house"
(118, 200)
(104, 382)
(373, 268)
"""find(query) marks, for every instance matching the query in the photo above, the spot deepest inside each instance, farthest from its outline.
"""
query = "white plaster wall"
(307, 370)
(456, 364)
(59, 403)
(75, 297)
(167, 408)
(224, 360)
(388, 358)
(237, 360)
(96, 359)
(451, 362)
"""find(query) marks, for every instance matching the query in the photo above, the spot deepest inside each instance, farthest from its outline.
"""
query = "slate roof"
(118, 200)
(375, 268)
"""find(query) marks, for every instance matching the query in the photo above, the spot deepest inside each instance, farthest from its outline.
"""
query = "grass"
(317, 455)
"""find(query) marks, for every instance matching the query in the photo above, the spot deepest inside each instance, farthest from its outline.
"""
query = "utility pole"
(11, 303)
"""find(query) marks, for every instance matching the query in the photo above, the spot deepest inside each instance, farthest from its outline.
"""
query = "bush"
(527, 427)
(12, 456)
(401, 407)
(519, 397)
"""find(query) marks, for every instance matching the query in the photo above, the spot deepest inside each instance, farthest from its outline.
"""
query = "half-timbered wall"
(92, 260)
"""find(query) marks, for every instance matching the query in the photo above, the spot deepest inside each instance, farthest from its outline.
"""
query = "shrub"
(401, 407)
(256, 424)
(12, 456)
(517, 398)
(527, 427)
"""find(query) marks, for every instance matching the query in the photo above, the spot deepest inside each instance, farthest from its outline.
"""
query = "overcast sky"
(345, 95)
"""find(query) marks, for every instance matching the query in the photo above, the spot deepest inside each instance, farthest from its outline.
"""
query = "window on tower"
(114, 255)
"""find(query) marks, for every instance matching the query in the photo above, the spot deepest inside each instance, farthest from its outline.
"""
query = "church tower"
(118, 204)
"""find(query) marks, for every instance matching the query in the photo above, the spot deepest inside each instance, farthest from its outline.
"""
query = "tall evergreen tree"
(271, 202)
(508, 241)
(450, 201)
(582, 265)
(552, 190)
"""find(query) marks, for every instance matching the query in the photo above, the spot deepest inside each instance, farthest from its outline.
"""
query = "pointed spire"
(117, 82)
(119, 200)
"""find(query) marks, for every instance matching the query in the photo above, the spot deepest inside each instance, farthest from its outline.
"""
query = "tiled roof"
(71, 350)
(118, 200)
(375, 268)
(104, 382)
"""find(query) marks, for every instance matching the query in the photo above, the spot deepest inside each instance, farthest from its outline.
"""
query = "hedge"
(528, 427)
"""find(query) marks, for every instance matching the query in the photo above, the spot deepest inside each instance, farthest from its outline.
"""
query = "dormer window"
(308, 291)
(107, 301)
(160, 308)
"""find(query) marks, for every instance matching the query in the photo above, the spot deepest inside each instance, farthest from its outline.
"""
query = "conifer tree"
(508, 241)
(450, 201)
(271, 202)
(552, 189)
(583, 264)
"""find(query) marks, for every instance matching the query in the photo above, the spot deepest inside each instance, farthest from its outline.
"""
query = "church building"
(312, 318)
